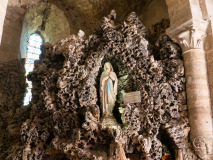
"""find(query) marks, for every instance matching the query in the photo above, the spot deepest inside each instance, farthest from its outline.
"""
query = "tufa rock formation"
(64, 118)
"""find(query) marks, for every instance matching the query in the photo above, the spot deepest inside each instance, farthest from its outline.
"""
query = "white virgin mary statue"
(108, 89)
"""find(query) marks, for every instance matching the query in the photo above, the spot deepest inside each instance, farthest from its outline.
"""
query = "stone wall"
(9, 48)
(12, 89)
(3, 8)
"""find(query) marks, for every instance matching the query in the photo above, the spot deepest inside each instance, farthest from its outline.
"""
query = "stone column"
(197, 86)
(188, 27)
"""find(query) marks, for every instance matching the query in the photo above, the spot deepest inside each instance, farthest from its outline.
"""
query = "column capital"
(189, 35)
(191, 39)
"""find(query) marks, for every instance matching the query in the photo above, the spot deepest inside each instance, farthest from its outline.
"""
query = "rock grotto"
(64, 115)
(131, 85)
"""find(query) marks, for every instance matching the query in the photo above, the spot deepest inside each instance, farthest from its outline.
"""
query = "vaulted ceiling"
(85, 14)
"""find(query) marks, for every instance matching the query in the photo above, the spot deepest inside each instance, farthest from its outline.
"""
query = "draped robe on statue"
(108, 89)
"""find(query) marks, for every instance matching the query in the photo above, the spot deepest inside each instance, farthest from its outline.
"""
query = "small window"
(33, 51)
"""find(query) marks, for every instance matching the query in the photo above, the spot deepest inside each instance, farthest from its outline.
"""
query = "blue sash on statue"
(109, 86)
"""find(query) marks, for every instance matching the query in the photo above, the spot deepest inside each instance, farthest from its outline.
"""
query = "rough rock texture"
(158, 29)
(65, 115)
(12, 89)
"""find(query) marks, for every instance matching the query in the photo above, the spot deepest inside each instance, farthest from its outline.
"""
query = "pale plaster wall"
(3, 8)
(209, 6)
(47, 20)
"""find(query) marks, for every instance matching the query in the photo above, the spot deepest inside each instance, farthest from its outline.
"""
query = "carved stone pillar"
(198, 97)
(183, 14)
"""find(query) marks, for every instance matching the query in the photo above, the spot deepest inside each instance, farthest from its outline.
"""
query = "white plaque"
(132, 97)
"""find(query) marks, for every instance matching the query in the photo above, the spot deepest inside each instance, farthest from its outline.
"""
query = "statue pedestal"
(109, 121)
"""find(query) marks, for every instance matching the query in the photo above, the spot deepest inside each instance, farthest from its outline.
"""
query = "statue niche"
(108, 89)
(108, 93)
